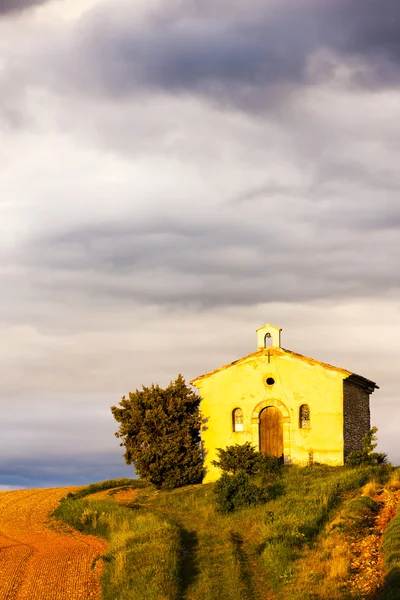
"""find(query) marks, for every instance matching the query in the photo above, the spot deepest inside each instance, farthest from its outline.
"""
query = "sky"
(173, 175)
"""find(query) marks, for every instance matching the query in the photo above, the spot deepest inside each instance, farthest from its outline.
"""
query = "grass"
(325, 568)
(311, 498)
(142, 558)
(357, 515)
(173, 544)
(108, 484)
(391, 551)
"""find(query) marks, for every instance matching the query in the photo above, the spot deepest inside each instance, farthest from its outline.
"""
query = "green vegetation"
(367, 456)
(325, 570)
(108, 484)
(391, 550)
(160, 429)
(143, 552)
(234, 489)
(357, 515)
(174, 544)
(244, 457)
(391, 554)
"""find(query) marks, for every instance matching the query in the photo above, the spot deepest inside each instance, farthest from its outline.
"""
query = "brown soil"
(367, 568)
(41, 558)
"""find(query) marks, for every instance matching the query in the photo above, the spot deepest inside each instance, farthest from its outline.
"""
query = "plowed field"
(41, 559)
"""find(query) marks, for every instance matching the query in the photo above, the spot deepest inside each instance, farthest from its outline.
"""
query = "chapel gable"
(285, 404)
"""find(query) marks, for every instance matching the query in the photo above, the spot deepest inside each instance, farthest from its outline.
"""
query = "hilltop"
(318, 537)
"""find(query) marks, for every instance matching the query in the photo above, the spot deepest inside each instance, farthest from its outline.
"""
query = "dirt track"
(39, 559)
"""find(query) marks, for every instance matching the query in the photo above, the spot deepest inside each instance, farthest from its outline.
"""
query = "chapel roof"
(279, 351)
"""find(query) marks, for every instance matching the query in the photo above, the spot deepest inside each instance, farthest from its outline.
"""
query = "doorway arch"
(271, 431)
(256, 421)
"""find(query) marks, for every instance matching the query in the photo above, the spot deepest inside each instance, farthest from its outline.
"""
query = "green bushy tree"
(367, 456)
(160, 429)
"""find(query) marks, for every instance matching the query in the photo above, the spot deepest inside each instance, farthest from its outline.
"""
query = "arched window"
(237, 419)
(304, 416)
(267, 340)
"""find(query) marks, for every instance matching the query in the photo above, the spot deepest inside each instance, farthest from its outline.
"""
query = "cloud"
(254, 60)
(312, 214)
(14, 6)
(257, 61)
(74, 432)
(173, 176)
(60, 471)
(53, 435)
(308, 251)
(248, 61)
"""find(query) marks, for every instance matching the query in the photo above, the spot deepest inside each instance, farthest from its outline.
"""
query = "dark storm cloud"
(56, 471)
(251, 59)
(13, 6)
(62, 438)
(369, 26)
(192, 56)
(227, 56)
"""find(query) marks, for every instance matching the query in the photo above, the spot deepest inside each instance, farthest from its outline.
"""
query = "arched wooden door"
(271, 431)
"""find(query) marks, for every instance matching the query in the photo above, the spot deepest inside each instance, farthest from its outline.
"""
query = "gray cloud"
(14, 6)
(225, 258)
(257, 60)
(148, 226)
(231, 57)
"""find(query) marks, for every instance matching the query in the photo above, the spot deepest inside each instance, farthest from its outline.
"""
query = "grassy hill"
(174, 545)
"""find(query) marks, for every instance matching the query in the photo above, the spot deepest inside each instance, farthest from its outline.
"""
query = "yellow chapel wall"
(297, 382)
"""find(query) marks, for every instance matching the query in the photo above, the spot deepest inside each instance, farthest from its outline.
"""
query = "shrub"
(270, 465)
(236, 491)
(367, 456)
(244, 457)
(240, 457)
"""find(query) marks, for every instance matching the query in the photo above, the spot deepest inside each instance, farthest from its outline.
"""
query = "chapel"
(285, 404)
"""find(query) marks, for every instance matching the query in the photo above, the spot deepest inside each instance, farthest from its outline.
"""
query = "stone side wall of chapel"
(356, 413)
